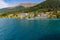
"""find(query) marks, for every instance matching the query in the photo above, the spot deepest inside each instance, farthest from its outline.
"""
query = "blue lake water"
(22, 29)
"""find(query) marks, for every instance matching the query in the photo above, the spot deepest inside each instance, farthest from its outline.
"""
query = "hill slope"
(11, 9)
(47, 5)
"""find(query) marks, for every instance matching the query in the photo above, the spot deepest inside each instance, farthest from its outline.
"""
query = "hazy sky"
(6, 3)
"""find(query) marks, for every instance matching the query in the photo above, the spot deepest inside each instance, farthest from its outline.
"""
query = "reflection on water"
(21, 29)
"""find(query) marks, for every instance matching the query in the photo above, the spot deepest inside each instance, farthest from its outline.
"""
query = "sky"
(7, 3)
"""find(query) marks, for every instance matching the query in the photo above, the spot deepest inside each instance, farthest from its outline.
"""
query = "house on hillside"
(43, 15)
(22, 15)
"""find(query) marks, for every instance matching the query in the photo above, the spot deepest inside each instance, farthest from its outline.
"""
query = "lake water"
(22, 29)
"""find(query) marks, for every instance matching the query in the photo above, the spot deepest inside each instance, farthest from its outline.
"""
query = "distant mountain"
(17, 8)
(27, 4)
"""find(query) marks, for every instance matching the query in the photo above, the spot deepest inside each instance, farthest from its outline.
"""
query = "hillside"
(48, 5)
(48, 9)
